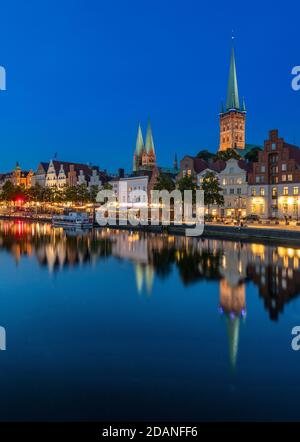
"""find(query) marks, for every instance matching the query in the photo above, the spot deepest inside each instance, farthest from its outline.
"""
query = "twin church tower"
(232, 126)
(144, 156)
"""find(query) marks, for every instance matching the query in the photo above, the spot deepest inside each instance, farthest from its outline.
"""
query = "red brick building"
(274, 182)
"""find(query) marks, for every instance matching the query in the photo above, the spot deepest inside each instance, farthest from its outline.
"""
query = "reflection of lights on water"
(233, 314)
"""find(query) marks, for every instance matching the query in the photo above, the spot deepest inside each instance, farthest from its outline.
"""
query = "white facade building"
(233, 181)
(131, 191)
(274, 200)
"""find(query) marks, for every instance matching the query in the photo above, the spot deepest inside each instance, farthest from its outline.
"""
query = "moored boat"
(72, 219)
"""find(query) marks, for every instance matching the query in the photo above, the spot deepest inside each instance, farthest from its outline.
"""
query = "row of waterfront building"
(268, 187)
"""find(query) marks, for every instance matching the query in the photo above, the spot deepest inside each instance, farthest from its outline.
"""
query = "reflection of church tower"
(233, 305)
(233, 117)
(144, 274)
(233, 330)
(149, 278)
(139, 277)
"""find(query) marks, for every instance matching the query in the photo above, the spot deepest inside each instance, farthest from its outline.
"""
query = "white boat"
(72, 219)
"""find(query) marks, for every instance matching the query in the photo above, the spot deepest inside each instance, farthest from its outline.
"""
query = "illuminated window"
(290, 177)
(296, 190)
(274, 191)
(285, 191)
(262, 191)
(283, 177)
(253, 191)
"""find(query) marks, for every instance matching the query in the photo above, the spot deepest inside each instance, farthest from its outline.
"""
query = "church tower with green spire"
(233, 117)
(144, 156)
(149, 159)
(139, 149)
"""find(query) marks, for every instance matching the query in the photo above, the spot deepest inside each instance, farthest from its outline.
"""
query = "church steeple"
(139, 142)
(175, 162)
(233, 117)
(149, 140)
(149, 158)
(139, 147)
(232, 101)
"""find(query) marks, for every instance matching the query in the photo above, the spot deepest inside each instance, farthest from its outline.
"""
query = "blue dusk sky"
(81, 75)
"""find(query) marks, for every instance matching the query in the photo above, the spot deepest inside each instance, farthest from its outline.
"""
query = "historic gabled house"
(40, 175)
(274, 183)
(62, 173)
(232, 176)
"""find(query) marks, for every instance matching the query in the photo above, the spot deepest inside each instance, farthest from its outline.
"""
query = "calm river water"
(116, 325)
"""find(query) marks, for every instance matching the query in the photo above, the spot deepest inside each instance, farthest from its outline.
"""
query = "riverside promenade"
(280, 233)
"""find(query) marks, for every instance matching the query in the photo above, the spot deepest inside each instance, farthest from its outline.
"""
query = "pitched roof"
(217, 165)
(77, 167)
(245, 165)
(199, 164)
(44, 165)
(294, 152)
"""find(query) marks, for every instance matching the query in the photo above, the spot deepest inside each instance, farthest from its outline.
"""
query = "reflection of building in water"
(144, 274)
(2, 338)
(53, 248)
(275, 270)
(233, 305)
(134, 246)
(130, 246)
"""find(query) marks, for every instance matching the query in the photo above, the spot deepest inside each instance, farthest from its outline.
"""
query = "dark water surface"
(115, 325)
